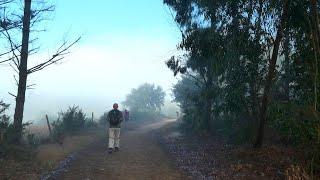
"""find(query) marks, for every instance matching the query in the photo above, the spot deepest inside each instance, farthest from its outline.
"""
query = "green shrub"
(91, 124)
(58, 130)
(4, 119)
(6, 126)
(103, 119)
(9, 133)
(298, 125)
(71, 121)
(32, 140)
(145, 115)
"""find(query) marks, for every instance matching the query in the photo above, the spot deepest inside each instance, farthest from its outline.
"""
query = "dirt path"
(140, 158)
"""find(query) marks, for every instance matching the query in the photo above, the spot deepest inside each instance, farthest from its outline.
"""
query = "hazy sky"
(124, 44)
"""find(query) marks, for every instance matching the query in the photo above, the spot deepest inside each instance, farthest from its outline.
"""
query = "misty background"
(124, 44)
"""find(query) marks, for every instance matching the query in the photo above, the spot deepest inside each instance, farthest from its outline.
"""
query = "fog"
(102, 68)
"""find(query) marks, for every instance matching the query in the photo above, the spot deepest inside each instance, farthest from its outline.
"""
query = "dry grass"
(39, 130)
(46, 157)
(50, 154)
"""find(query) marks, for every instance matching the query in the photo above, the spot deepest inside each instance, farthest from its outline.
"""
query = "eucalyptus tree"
(241, 45)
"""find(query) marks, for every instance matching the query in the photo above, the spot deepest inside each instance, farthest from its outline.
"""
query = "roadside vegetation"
(250, 72)
(40, 150)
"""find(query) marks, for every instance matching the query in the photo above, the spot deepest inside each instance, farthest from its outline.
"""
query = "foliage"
(103, 119)
(33, 140)
(71, 121)
(58, 130)
(6, 127)
(146, 115)
(9, 133)
(298, 125)
(91, 123)
(147, 98)
(227, 73)
(4, 119)
(284, 117)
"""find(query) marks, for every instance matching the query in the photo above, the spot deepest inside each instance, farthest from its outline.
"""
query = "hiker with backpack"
(114, 118)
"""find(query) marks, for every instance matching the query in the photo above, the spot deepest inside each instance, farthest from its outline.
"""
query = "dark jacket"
(118, 115)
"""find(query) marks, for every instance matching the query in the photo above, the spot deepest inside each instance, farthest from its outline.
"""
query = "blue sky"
(124, 44)
(120, 17)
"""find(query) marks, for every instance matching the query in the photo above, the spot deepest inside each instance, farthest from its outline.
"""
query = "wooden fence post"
(92, 117)
(2, 131)
(49, 127)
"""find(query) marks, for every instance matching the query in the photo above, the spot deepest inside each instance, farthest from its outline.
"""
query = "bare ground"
(213, 157)
(140, 157)
(143, 157)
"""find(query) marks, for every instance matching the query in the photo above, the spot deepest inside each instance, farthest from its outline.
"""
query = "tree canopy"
(249, 65)
(145, 98)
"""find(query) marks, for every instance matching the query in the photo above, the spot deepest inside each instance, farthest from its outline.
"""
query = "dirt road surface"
(140, 157)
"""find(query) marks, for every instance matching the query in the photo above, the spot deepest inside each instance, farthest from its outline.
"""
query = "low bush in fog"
(74, 119)
(6, 127)
(144, 115)
(71, 121)
(134, 115)
(8, 132)
(103, 119)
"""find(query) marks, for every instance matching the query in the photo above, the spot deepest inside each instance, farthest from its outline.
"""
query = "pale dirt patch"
(39, 130)
(51, 154)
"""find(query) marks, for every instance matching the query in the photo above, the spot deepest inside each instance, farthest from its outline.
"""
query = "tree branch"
(58, 56)
(12, 95)
(196, 79)
(16, 80)
(13, 47)
(16, 70)
(31, 86)
(3, 61)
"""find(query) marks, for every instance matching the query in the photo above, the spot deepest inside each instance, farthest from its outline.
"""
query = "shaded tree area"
(145, 101)
(250, 65)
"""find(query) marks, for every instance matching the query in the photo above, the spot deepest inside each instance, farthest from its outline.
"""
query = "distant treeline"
(145, 101)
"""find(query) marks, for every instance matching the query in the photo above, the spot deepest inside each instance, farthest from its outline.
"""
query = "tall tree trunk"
(254, 102)
(315, 33)
(23, 68)
(270, 75)
(286, 65)
(208, 101)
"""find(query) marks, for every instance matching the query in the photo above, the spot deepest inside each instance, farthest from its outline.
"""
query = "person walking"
(115, 119)
(126, 115)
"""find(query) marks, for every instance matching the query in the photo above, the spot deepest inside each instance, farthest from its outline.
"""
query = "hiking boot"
(110, 150)
(116, 149)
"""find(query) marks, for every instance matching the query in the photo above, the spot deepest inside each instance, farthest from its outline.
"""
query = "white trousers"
(114, 137)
